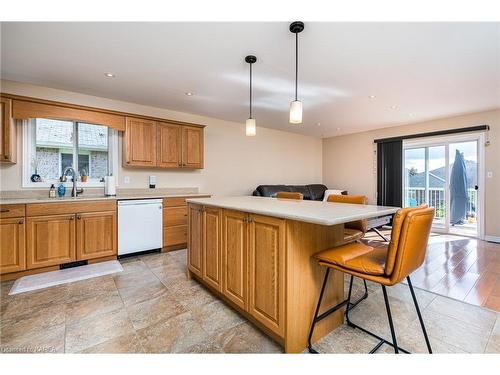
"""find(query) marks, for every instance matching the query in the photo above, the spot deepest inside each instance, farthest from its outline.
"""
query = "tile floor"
(152, 308)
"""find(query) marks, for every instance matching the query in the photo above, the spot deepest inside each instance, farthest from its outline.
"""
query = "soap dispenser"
(52, 191)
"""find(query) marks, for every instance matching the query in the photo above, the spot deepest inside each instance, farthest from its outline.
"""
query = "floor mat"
(69, 275)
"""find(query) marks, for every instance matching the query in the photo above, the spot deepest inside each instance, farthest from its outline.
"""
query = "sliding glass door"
(444, 174)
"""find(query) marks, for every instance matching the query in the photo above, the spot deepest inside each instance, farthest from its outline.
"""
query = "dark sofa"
(313, 192)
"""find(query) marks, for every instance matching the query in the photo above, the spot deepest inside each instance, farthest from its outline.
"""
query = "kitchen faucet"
(74, 191)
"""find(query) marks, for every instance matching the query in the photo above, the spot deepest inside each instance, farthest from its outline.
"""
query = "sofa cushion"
(303, 189)
(316, 191)
(310, 192)
(271, 190)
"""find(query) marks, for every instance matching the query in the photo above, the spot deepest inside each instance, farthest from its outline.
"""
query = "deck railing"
(416, 196)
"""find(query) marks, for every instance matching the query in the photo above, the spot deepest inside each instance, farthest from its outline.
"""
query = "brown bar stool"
(289, 195)
(385, 266)
(354, 230)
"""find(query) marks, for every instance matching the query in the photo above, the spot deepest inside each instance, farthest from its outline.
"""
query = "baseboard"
(492, 239)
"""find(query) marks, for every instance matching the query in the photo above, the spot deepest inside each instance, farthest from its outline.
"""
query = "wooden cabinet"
(50, 240)
(211, 252)
(192, 147)
(175, 220)
(139, 143)
(12, 245)
(169, 138)
(243, 258)
(234, 257)
(160, 144)
(8, 137)
(195, 240)
(266, 271)
(96, 235)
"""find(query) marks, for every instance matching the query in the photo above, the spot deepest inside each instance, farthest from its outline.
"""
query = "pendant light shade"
(296, 105)
(251, 125)
(296, 112)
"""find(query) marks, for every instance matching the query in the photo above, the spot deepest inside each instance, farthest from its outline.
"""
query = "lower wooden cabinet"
(235, 257)
(195, 241)
(211, 252)
(50, 240)
(12, 245)
(242, 257)
(96, 235)
(266, 269)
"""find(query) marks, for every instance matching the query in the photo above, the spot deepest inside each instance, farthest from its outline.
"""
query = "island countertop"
(315, 212)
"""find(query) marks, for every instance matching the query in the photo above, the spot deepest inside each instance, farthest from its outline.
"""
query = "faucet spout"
(74, 191)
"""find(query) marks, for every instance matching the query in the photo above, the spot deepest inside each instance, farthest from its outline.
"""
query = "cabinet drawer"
(173, 216)
(172, 202)
(58, 208)
(12, 210)
(175, 235)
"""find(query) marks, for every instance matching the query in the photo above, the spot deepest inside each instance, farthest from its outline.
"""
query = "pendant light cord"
(296, 62)
(250, 90)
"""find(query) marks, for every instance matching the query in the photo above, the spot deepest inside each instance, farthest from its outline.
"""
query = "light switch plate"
(489, 174)
(152, 182)
(126, 180)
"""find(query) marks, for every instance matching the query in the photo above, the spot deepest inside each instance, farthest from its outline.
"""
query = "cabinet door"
(195, 242)
(12, 247)
(192, 147)
(96, 235)
(139, 145)
(234, 257)
(212, 246)
(50, 240)
(266, 271)
(7, 132)
(169, 145)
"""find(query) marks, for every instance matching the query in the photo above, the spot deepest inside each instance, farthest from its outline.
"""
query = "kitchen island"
(255, 254)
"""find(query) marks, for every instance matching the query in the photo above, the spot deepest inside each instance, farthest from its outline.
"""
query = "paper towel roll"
(109, 185)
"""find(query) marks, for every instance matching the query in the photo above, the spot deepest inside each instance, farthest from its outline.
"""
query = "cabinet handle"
(72, 218)
(21, 221)
(78, 217)
(4, 211)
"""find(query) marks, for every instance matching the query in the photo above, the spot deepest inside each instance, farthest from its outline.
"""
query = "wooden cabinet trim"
(195, 244)
(8, 136)
(212, 246)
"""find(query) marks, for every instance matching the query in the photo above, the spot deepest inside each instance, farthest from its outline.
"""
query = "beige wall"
(234, 164)
(350, 161)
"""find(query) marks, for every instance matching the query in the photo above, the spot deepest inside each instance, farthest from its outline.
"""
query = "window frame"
(28, 128)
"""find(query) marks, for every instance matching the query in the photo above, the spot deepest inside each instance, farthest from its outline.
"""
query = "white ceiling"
(427, 70)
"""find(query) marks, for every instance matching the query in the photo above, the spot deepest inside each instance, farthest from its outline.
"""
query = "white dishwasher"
(140, 225)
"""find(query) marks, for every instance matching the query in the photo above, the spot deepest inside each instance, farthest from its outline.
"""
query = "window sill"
(47, 185)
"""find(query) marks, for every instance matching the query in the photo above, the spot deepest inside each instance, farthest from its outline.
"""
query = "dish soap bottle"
(52, 191)
(61, 190)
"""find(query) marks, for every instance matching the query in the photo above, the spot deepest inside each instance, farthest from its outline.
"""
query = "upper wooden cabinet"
(7, 132)
(149, 143)
(192, 147)
(139, 143)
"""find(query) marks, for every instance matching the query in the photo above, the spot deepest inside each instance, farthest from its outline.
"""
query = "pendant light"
(251, 128)
(296, 105)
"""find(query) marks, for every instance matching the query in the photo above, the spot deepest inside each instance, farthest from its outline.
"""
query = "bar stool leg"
(348, 306)
(389, 317)
(419, 315)
(309, 344)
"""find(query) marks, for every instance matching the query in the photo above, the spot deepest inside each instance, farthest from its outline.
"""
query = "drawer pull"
(79, 217)
(4, 211)
(21, 221)
(72, 218)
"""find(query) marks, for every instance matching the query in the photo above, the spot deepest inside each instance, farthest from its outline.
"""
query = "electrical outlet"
(126, 180)
(152, 182)
(489, 174)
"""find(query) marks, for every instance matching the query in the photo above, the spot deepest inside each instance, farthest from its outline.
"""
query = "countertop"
(315, 212)
(97, 198)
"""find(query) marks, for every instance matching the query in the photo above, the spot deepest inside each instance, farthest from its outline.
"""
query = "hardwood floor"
(462, 268)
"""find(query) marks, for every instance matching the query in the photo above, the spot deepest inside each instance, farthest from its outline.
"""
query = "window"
(53, 145)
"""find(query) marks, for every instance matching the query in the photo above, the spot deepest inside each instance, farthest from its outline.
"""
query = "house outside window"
(53, 145)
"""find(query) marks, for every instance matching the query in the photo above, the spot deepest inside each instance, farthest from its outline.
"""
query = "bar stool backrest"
(354, 199)
(289, 195)
(407, 253)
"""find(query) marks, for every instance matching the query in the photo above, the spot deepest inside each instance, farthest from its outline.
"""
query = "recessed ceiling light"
(109, 75)
(189, 93)
(338, 129)
(319, 124)
(410, 114)
(394, 106)
(372, 96)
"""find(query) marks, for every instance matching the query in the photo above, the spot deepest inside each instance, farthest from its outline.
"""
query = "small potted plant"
(84, 175)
